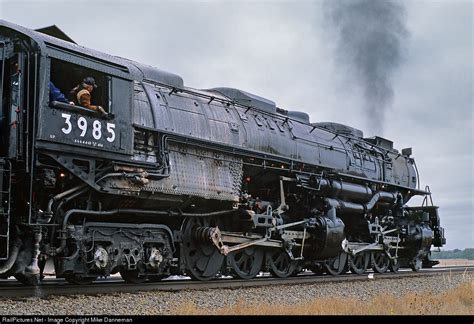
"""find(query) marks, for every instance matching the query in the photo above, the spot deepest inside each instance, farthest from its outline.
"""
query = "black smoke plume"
(370, 37)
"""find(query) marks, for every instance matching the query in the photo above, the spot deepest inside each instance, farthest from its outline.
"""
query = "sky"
(286, 51)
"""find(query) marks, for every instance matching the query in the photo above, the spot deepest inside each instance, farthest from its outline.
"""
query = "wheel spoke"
(213, 265)
(240, 258)
(380, 262)
(337, 265)
(358, 264)
(280, 264)
(394, 264)
(201, 264)
(280, 259)
(248, 264)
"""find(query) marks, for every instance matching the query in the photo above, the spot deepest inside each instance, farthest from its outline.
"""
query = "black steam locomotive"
(174, 180)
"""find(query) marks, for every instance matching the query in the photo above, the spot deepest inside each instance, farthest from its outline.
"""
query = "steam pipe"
(127, 211)
(62, 195)
(344, 207)
(14, 254)
(380, 196)
(353, 208)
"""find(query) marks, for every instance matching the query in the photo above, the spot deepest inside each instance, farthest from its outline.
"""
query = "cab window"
(66, 76)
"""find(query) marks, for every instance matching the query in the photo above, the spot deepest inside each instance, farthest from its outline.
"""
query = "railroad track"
(53, 286)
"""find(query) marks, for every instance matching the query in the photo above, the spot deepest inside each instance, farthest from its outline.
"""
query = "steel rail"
(50, 287)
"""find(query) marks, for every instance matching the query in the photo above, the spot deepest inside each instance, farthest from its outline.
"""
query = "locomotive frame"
(174, 180)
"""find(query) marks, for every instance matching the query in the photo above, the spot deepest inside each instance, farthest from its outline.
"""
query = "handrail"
(425, 200)
(81, 110)
(2, 44)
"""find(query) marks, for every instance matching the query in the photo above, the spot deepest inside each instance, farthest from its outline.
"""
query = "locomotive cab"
(48, 147)
(18, 66)
(78, 127)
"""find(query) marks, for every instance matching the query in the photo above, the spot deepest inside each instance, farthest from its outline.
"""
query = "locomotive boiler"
(200, 182)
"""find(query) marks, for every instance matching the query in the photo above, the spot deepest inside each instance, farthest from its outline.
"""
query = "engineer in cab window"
(56, 95)
(81, 95)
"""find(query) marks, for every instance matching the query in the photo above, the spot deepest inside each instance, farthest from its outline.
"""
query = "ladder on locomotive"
(5, 187)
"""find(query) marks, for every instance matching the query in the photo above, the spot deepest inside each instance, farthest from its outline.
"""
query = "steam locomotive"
(175, 180)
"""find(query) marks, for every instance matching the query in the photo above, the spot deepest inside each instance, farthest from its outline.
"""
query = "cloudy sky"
(287, 51)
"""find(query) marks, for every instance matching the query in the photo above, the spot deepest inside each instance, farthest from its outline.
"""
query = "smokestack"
(370, 36)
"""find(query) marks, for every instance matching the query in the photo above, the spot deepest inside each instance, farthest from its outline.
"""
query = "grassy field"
(458, 301)
(455, 262)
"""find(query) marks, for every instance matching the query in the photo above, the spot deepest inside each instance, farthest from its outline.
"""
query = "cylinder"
(350, 191)
(345, 190)
(344, 207)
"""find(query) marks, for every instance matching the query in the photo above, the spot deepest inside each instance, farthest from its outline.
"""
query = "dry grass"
(455, 262)
(457, 301)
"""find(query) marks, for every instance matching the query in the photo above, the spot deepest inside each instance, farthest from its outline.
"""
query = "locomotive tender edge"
(174, 180)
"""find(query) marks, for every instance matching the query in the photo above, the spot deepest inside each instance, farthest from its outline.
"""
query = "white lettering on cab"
(83, 126)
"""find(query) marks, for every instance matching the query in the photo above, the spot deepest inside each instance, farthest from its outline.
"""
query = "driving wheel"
(337, 265)
(203, 260)
(246, 263)
(394, 264)
(280, 264)
(358, 263)
(380, 261)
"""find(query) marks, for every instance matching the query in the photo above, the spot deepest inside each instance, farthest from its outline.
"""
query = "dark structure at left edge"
(174, 180)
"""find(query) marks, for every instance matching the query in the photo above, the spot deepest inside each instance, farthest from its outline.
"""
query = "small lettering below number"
(96, 128)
